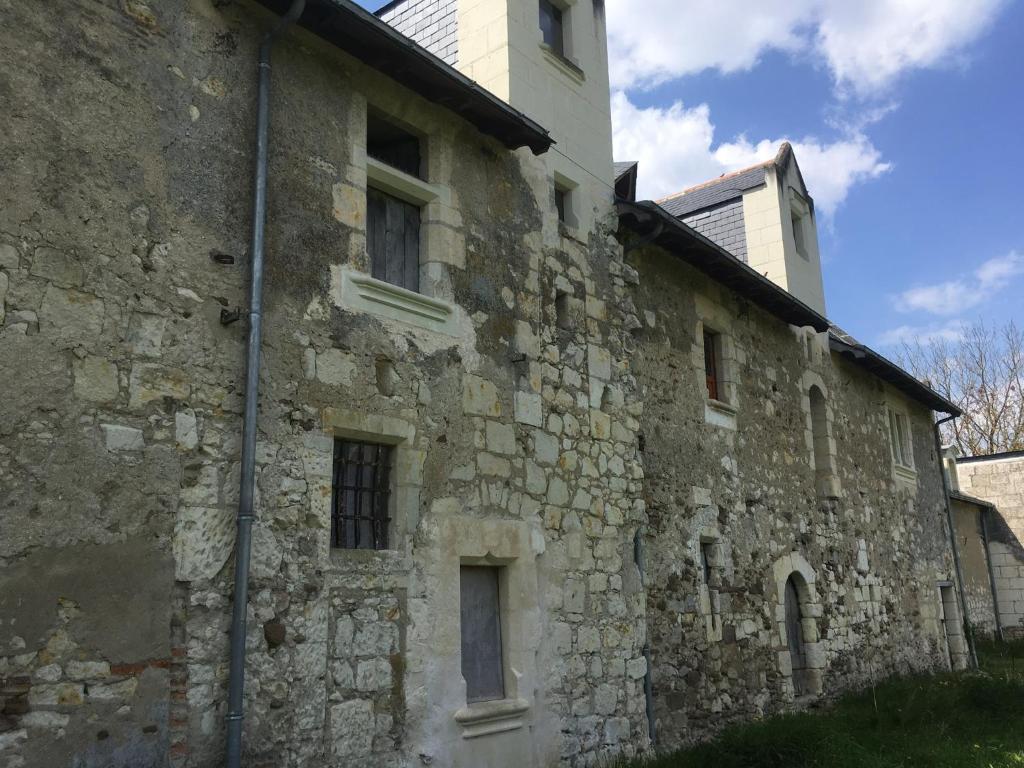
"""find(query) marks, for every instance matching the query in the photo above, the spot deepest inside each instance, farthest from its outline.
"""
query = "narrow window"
(819, 434)
(481, 634)
(361, 495)
(795, 638)
(551, 28)
(899, 438)
(705, 561)
(562, 314)
(798, 234)
(393, 224)
(712, 363)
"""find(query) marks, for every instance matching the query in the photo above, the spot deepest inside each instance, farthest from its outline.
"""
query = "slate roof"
(622, 168)
(720, 190)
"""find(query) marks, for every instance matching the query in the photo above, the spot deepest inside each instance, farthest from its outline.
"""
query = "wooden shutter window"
(711, 364)
(481, 634)
(393, 239)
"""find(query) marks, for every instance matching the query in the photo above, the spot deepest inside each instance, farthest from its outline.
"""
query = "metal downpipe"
(966, 619)
(243, 541)
(985, 512)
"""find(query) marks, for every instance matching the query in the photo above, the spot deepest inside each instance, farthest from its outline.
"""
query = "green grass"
(948, 721)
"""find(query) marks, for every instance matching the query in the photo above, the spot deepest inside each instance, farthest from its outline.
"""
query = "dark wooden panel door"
(481, 634)
(393, 239)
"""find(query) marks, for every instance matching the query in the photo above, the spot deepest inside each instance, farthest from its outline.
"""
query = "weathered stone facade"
(740, 475)
(515, 416)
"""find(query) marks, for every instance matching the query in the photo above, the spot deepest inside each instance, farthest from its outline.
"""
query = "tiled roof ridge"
(777, 160)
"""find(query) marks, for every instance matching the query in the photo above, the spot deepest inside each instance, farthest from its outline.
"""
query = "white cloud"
(909, 334)
(866, 44)
(676, 149)
(956, 296)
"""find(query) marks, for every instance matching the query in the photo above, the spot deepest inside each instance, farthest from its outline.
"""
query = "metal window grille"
(361, 495)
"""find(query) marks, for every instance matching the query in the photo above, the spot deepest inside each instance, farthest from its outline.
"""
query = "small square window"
(393, 145)
(551, 26)
(713, 364)
(480, 615)
(361, 495)
(900, 439)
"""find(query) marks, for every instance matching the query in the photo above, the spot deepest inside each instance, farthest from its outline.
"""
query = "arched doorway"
(795, 637)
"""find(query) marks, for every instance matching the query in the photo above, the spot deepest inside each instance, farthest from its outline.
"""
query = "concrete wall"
(869, 548)
(723, 225)
(131, 158)
(1000, 481)
(771, 248)
(434, 24)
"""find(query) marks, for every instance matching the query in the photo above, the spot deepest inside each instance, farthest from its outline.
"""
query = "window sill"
(720, 414)
(566, 66)
(490, 717)
(400, 184)
(363, 293)
(905, 473)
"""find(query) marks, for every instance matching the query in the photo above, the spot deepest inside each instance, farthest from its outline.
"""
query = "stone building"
(541, 471)
(988, 496)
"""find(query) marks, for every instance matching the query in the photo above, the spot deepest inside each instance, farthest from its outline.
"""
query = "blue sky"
(908, 121)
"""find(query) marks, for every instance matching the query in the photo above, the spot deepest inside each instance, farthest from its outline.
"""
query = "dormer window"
(551, 26)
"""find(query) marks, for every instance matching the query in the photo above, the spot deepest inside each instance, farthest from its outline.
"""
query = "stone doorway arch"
(800, 652)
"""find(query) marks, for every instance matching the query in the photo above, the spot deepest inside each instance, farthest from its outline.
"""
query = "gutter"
(243, 541)
(965, 618)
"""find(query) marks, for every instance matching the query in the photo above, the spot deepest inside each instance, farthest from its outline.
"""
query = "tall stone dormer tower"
(763, 215)
(546, 58)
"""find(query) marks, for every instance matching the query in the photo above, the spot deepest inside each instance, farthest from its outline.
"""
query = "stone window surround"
(722, 412)
(708, 593)
(441, 247)
(565, 63)
(571, 188)
(788, 565)
(510, 545)
(904, 476)
(406, 476)
(826, 479)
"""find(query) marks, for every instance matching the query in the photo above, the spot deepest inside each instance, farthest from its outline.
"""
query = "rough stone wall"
(741, 479)
(1001, 482)
(128, 154)
(974, 566)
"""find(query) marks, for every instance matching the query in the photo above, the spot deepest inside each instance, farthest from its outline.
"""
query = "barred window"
(361, 495)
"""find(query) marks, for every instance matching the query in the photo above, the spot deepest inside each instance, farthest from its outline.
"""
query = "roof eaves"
(361, 34)
(960, 496)
(654, 224)
(888, 371)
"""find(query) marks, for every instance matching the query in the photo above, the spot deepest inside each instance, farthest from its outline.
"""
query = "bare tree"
(983, 374)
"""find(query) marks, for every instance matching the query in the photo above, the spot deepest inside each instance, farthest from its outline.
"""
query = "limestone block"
(9, 258)
(373, 675)
(605, 700)
(95, 379)
(335, 367)
(344, 632)
(558, 492)
(120, 438)
(9, 739)
(536, 479)
(529, 409)
(119, 691)
(150, 382)
(59, 267)
(599, 362)
(600, 425)
(203, 540)
(88, 670)
(636, 668)
(349, 205)
(492, 465)
(146, 334)
(480, 397)
(54, 695)
(501, 438)
(352, 729)
(545, 447)
(186, 430)
(266, 553)
(588, 640)
(377, 638)
(70, 318)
